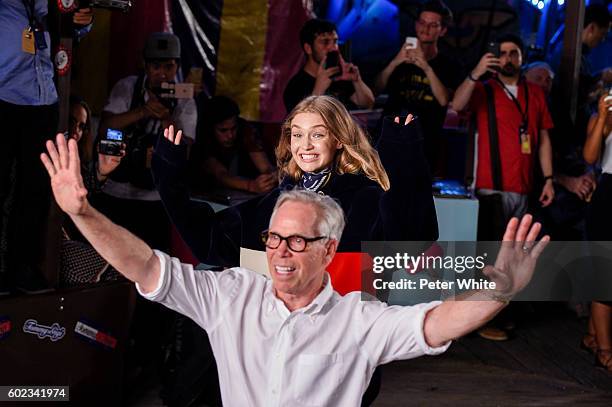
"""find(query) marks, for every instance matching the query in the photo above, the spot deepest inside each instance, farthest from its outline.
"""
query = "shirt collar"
(315, 307)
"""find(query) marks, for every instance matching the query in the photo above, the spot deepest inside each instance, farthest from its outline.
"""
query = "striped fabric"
(248, 50)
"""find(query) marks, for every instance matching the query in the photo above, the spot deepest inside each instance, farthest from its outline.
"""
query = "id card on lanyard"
(33, 37)
(524, 137)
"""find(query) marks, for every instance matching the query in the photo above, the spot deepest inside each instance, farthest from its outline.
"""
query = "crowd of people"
(325, 186)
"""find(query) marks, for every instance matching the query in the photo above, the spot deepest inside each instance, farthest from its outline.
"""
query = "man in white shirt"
(290, 340)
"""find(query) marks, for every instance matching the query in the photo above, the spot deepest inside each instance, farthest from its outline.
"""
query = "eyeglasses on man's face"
(433, 25)
(296, 243)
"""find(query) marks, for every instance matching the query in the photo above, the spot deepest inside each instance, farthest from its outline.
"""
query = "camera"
(169, 93)
(119, 5)
(112, 143)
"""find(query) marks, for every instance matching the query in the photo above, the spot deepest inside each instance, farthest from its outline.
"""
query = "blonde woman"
(385, 192)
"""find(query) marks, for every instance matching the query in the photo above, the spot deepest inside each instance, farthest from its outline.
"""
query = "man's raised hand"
(517, 257)
(64, 167)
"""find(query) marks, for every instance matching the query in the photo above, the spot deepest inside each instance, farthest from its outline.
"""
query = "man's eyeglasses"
(434, 25)
(296, 243)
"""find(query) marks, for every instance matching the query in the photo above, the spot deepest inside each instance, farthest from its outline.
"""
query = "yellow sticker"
(525, 144)
(27, 42)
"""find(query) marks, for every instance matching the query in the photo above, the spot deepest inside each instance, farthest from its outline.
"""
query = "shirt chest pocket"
(318, 377)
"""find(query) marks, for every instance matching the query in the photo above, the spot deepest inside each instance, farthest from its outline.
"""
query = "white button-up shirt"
(321, 355)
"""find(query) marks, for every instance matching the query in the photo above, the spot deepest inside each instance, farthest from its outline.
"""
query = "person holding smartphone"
(325, 71)
(419, 77)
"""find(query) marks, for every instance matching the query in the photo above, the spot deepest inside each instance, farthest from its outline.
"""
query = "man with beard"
(507, 145)
(343, 81)
(504, 173)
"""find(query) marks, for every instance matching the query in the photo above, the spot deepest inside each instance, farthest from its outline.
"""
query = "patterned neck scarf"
(313, 181)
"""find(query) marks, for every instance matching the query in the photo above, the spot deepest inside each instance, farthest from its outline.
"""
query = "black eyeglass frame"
(266, 233)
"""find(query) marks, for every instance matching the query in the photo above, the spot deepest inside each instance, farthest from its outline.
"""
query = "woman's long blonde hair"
(356, 155)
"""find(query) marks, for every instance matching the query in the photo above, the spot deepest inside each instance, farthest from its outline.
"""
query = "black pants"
(599, 218)
(30, 222)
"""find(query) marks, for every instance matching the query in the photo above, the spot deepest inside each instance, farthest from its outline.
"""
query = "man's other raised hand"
(64, 167)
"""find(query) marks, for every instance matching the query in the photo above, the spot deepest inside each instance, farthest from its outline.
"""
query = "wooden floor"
(542, 365)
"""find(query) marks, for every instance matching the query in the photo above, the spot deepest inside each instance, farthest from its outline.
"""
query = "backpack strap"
(493, 140)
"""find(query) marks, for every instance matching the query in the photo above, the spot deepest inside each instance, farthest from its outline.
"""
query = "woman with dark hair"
(228, 152)
(80, 127)
(95, 166)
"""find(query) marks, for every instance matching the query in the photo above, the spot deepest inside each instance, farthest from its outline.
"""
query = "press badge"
(525, 140)
(27, 41)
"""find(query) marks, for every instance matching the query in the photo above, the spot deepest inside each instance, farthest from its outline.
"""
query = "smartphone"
(493, 48)
(111, 144)
(411, 42)
(332, 61)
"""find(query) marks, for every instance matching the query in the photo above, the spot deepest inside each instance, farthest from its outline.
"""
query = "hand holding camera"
(327, 71)
(408, 53)
(416, 56)
(168, 94)
(488, 63)
(110, 152)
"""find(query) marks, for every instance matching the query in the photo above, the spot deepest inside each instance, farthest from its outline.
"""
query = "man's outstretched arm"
(125, 252)
(513, 270)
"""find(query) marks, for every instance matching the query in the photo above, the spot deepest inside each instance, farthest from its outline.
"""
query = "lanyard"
(30, 10)
(524, 114)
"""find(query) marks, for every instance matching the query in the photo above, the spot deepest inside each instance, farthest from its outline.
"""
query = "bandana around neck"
(313, 181)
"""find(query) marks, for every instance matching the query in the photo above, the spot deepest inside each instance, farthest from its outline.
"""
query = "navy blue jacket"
(405, 212)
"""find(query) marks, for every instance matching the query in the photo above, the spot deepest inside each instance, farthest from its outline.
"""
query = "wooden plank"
(550, 337)
(491, 353)
(449, 382)
(521, 348)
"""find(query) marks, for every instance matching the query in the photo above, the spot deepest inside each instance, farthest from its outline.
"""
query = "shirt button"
(273, 391)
